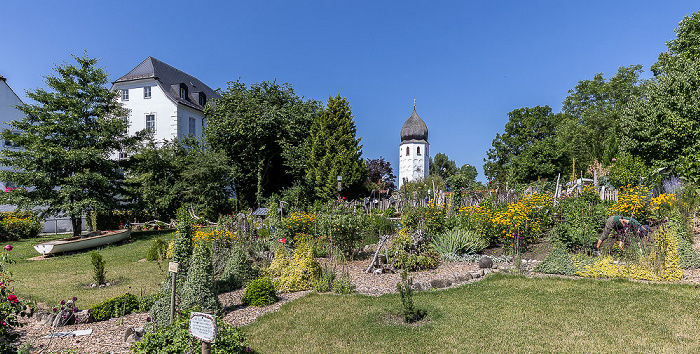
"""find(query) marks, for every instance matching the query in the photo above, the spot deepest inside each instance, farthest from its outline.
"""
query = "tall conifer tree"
(335, 151)
(66, 140)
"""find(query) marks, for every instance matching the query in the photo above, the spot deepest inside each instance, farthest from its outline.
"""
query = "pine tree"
(334, 151)
(66, 140)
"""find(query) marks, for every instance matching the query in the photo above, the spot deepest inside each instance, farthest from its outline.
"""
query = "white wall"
(8, 112)
(413, 166)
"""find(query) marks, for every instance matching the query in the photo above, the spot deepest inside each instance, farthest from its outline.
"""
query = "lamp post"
(340, 185)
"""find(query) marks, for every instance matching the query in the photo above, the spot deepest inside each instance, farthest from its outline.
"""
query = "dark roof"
(260, 212)
(414, 130)
(170, 78)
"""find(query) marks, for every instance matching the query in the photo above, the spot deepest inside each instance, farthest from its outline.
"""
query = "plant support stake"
(172, 267)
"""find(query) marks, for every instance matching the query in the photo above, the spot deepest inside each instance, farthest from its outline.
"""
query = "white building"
(414, 153)
(164, 99)
(8, 101)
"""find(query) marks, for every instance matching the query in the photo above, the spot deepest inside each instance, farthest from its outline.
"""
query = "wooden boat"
(93, 239)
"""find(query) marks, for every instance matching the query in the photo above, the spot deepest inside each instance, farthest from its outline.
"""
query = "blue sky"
(467, 63)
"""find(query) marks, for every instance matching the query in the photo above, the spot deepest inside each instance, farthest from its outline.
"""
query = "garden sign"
(203, 326)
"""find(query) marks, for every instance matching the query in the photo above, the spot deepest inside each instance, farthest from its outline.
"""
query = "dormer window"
(183, 91)
(202, 99)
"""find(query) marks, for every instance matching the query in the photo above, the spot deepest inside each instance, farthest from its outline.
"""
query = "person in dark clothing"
(623, 226)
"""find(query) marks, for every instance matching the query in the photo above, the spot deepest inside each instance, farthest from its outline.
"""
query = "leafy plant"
(199, 291)
(237, 272)
(325, 281)
(12, 308)
(300, 272)
(259, 292)
(115, 307)
(343, 284)
(158, 250)
(458, 241)
(98, 265)
(176, 339)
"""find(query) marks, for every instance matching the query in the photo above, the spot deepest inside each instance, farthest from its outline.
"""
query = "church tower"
(414, 154)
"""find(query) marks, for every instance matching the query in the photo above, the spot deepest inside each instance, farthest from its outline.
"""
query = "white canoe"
(81, 242)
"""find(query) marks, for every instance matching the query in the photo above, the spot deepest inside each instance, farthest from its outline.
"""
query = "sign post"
(203, 327)
(172, 267)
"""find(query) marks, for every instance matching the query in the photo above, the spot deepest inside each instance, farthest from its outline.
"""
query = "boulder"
(440, 283)
(485, 262)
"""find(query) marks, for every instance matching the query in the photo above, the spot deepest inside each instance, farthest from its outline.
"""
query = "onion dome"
(414, 130)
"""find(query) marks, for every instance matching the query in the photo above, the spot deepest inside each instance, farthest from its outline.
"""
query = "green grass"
(64, 276)
(499, 314)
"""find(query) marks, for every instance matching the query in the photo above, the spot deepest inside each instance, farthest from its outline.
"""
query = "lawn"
(64, 276)
(499, 314)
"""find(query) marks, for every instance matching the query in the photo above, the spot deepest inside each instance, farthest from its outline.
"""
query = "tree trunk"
(77, 223)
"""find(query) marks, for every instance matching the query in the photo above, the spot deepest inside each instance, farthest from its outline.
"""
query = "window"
(193, 126)
(202, 99)
(183, 91)
(418, 150)
(408, 152)
(147, 92)
(125, 94)
(151, 122)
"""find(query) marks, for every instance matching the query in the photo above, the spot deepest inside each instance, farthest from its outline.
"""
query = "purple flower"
(247, 349)
(55, 309)
(63, 302)
(63, 308)
(75, 309)
(148, 319)
(75, 298)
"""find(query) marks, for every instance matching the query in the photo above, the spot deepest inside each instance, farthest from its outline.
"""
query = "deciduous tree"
(262, 129)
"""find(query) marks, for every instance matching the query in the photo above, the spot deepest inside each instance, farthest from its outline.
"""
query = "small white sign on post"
(172, 267)
(203, 326)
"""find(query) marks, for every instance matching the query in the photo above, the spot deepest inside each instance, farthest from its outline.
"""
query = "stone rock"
(440, 283)
(129, 331)
(83, 317)
(461, 278)
(475, 275)
(70, 304)
(485, 262)
(378, 271)
(495, 266)
(417, 287)
(142, 260)
(48, 319)
(63, 318)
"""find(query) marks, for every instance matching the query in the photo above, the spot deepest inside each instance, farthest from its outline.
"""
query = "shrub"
(158, 250)
(343, 284)
(558, 261)
(12, 308)
(182, 249)
(259, 292)
(344, 229)
(19, 225)
(147, 301)
(98, 265)
(627, 171)
(198, 292)
(378, 225)
(688, 258)
(389, 212)
(301, 271)
(237, 272)
(410, 252)
(176, 339)
(115, 307)
(405, 288)
(458, 241)
(324, 283)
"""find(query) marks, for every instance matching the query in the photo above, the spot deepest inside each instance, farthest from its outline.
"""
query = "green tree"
(685, 47)
(465, 178)
(442, 166)
(590, 129)
(166, 175)
(528, 149)
(335, 151)
(262, 129)
(67, 138)
(663, 123)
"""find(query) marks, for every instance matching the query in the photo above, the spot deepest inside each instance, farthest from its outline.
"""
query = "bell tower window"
(418, 151)
(408, 151)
